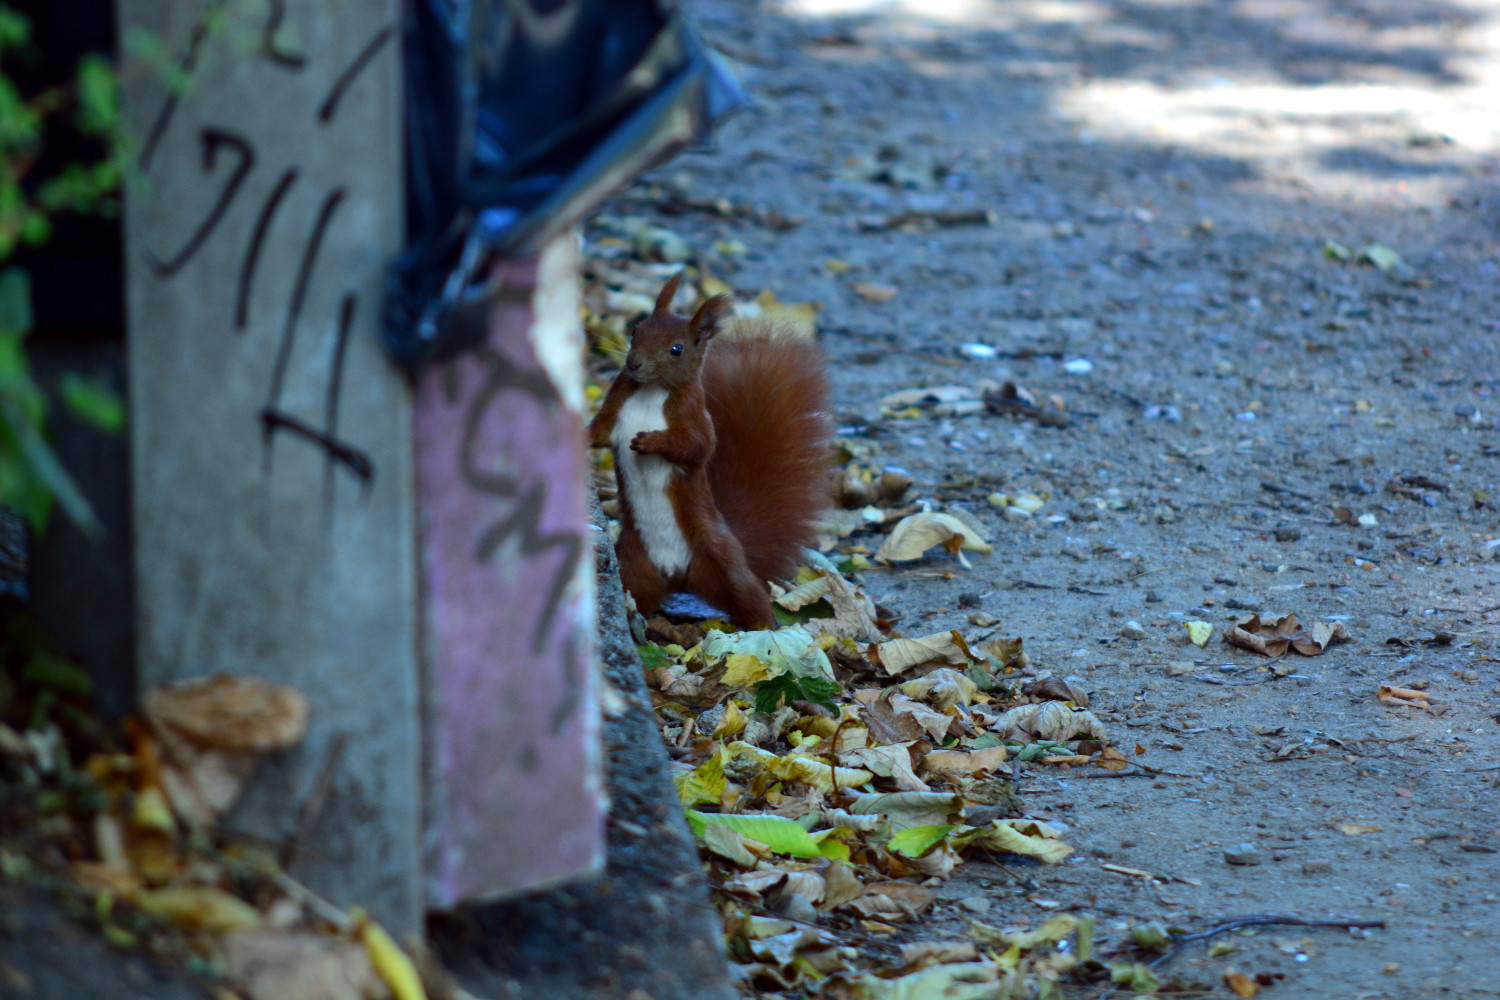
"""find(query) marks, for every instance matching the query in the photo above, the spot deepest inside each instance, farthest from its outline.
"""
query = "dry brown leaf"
(893, 900)
(1049, 720)
(964, 761)
(840, 885)
(892, 761)
(1052, 688)
(808, 884)
(885, 724)
(1241, 984)
(278, 964)
(874, 293)
(944, 688)
(923, 953)
(895, 656)
(1275, 638)
(229, 712)
(1356, 829)
(934, 723)
(1403, 696)
(1010, 652)
(853, 613)
(915, 534)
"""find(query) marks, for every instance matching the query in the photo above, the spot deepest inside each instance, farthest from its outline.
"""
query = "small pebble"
(975, 904)
(1078, 366)
(1288, 533)
(1317, 867)
(1152, 597)
(1243, 854)
(1133, 630)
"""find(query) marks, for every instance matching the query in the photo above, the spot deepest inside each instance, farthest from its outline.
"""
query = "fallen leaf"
(840, 885)
(742, 670)
(1009, 652)
(892, 900)
(874, 293)
(781, 650)
(1198, 632)
(811, 592)
(198, 908)
(1403, 696)
(925, 953)
(1241, 984)
(229, 712)
(1273, 639)
(915, 534)
(964, 761)
(782, 835)
(275, 964)
(1027, 837)
(1050, 720)
(959, 981)
(909, 809)
(728, 844)
(704, 784)
(391, 963)
(915, 841)
(896, 656)
(1355, 829)
(891, 761)
(944, 688)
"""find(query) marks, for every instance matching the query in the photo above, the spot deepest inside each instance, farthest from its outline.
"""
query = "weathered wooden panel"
(271, 439)
(515, 799)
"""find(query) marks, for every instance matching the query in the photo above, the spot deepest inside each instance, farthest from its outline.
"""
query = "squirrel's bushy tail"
(767, 394)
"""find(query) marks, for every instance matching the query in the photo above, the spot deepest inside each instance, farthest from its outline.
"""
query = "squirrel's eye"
(676, 350)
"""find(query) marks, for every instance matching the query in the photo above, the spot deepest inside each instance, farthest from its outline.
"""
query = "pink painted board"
(514, 797)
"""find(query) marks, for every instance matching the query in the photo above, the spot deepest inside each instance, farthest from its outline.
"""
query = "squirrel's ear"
(710, 316)
(669, 292)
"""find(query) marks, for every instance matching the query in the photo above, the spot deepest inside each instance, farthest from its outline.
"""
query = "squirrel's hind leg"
(723, 579)
(637, 573)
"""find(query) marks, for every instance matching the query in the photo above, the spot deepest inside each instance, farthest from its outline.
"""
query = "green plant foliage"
(791, 687)
(32, 479)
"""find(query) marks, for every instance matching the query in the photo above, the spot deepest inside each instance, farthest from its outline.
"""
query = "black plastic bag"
(522, 116)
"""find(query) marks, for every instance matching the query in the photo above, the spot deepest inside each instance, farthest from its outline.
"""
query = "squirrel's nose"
(632, 364)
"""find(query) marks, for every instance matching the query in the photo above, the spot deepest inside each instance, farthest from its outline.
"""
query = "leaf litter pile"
(121, 827)
(834, 770)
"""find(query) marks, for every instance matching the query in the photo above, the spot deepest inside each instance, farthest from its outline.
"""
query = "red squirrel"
(721, 455)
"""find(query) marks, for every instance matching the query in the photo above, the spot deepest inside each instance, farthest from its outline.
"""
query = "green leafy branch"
(32, 478)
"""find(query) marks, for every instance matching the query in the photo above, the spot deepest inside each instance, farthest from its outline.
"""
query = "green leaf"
(50, 670)
(652, 657)
(769, 695)
(15, 300)
(915, 841)
(782, 835)
(92, 402)
(98, 96)
(15, 29)
(42, 464)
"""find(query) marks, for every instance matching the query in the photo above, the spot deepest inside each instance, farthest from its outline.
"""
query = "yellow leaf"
(390, 961)
(733, 722)
(741, 670)
(1198, 631)
(704, 784)
(198, 908)
(1035, 840)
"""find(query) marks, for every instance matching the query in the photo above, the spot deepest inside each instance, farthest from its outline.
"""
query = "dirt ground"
(1163, 177)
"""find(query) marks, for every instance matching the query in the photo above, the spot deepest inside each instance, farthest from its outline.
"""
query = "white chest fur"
(645, 480)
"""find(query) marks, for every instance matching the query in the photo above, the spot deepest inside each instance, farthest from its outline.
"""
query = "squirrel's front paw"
(639, 442)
